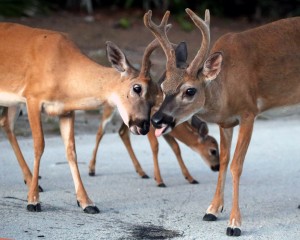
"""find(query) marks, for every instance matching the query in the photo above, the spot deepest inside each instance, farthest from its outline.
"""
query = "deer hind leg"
(107, 115)
(124, 134)
(33, 108)
(217, 203)
(154, 147)
(7, 121)
(176, 149)
(67, 133)
(244, 137)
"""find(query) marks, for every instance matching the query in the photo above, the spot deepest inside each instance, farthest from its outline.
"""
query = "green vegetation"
(253, 9)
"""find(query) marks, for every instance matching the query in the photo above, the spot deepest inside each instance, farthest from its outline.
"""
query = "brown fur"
(47, 72)
(246, 74)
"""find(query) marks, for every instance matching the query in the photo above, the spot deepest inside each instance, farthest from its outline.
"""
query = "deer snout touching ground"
(195, 136)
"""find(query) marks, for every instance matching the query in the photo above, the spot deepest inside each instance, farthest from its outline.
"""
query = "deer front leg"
(124, 134)
(34, 117)
(176, 149)
(67, 133)
(217, 203)
(107, 115)
(154, 147)
(244, 137)
(92, 164)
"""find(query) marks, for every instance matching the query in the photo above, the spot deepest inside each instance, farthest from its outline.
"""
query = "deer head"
(136, 94)
(184, 86)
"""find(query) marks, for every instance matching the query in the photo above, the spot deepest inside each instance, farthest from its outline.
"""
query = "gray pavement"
(134, 208)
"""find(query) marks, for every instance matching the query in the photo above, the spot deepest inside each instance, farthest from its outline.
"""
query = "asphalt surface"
(134, 208)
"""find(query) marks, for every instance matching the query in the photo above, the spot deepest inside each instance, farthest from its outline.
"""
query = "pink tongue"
(159, 131)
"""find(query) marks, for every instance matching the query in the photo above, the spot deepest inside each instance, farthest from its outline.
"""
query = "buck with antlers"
(193, 135)
(47, 72)
(245, 74)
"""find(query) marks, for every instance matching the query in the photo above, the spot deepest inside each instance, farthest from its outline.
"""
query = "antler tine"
(207, 17)
(203, 51)
(160, 33)
(146, 63)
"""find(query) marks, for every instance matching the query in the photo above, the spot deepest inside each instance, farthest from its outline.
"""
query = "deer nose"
(145, 128)
(157, 120)
(215, 168)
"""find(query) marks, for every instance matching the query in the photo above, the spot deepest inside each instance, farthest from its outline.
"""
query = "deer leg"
(107, 115)
(99, 135)
(217, 203)
(124, 134)
(34, 117)
(7, 121)
(154, 147)
(244, 137)
(176, 149)
(67, 133)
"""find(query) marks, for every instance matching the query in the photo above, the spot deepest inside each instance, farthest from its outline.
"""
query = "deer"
(194, 135)
(46, 71)
(242, 76)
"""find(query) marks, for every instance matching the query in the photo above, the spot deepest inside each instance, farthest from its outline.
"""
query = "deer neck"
(86, 84)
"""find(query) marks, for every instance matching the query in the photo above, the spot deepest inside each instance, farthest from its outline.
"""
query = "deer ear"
(200, 126)
(212, 66)
(116, 57)
(181, 55)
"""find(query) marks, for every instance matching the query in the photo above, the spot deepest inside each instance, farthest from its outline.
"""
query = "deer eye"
(137, 89)
(190, 92)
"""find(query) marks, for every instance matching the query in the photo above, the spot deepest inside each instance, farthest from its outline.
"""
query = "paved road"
(134, 208)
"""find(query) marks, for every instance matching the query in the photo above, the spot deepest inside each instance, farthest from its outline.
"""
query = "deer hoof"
(162, 185)
(91, 173)
(145, 176)
(91, 210)
(41, 189)
(194, 182)
(34, 207)
(233, 232)
(209, 217)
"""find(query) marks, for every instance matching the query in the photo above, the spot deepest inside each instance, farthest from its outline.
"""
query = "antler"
(146, 63)
(203, 51)
(159, 32)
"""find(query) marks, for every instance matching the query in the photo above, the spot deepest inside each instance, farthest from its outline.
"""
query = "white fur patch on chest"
(53, 108)
(11, 99)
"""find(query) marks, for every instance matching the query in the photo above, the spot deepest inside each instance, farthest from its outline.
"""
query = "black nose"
(215, 168)
(157, 120)
(145, 127)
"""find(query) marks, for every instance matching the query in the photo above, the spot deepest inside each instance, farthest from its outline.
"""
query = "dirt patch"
(153, 232)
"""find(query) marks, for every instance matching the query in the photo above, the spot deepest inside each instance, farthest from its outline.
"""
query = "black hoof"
(41, 189)
(92, 174)
(194, 182)
(233, 232)
(162, 185)
(145, 176)
(34, 208)
(209, 217)
(299, 206)
(91, 210)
